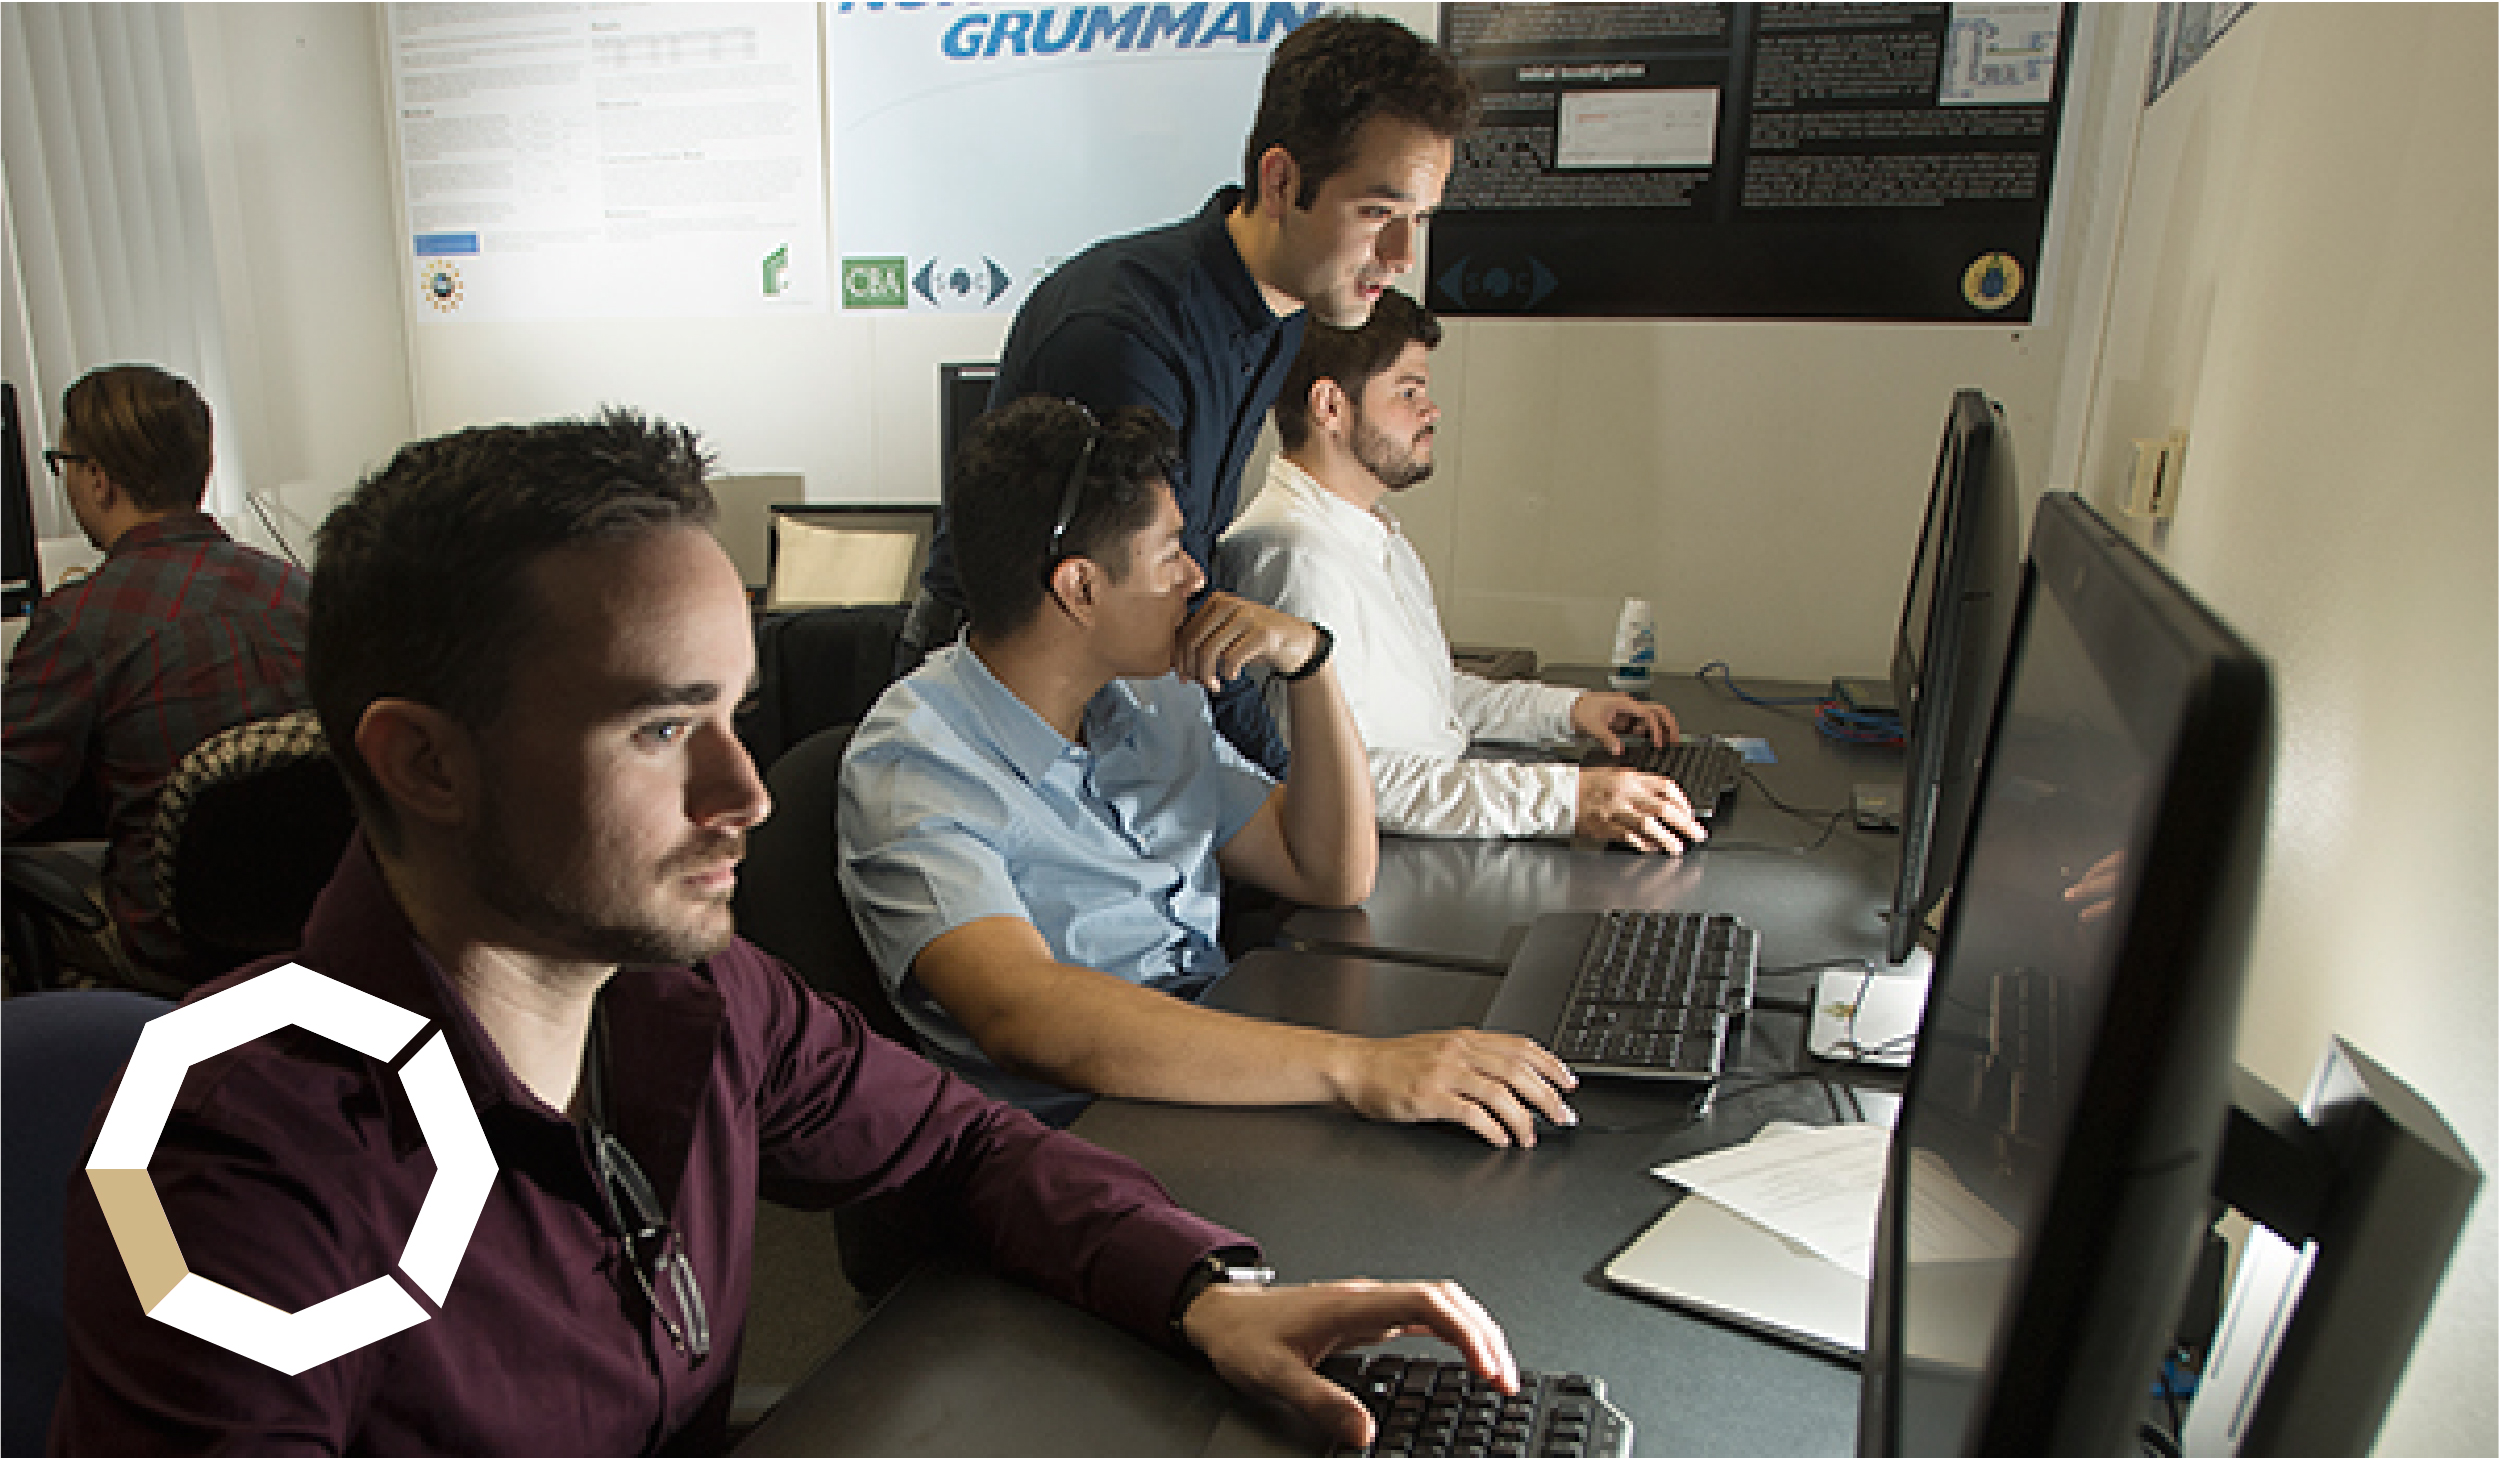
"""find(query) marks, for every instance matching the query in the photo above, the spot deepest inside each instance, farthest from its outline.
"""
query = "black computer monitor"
(21, 567)
(963, 398)
(2052, 1164)
(1949, 649)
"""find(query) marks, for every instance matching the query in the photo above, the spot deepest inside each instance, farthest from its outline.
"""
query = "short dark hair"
(1004, 496)
(1350, 357)
(1333, 74)
(421, 589)
(147, 429)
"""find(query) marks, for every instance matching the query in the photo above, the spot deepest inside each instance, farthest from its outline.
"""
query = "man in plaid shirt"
(180, 633)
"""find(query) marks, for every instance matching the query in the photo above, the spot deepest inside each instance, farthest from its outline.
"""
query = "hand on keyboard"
(1647, 812)
(1605, 715)
(1266, 1341)
(1494, 1084)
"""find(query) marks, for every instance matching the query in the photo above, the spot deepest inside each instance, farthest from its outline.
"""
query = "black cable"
(1833, 719)
(1821, 965)
(1728, 680)
(1831, 819)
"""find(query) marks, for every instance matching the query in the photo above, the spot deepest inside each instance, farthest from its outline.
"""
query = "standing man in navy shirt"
(1199, 320)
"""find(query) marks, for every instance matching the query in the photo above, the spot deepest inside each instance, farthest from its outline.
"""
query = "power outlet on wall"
(2154, 490)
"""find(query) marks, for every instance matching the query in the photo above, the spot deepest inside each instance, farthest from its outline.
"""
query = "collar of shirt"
(1226, 268)
(172, 527)
(1371, 530)
(1019, 735)
(662, 1022)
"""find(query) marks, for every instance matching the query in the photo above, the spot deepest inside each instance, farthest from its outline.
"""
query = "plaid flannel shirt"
(181, 632)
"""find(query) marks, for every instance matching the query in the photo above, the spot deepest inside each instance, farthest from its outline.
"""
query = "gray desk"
(958, 1361)
(1466, 904)
(961, 1362)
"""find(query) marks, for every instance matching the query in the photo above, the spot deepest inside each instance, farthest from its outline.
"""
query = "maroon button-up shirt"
(292, 1170)
(181, 632)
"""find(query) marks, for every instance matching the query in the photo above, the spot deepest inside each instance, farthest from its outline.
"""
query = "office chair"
(817, 668)
(58, 1052)
(790, 904)
(789, 900)
(249, 828)
(43, 889)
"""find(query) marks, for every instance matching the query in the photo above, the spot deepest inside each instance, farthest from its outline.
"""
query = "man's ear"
(103, 490)
(1279, 177)
(1073, 583)
(425, 761)
(1330, 407)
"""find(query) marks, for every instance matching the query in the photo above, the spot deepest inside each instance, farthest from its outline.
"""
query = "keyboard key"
(1436, 1407)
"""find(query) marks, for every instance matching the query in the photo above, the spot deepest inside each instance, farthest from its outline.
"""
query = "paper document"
(1818, 1187)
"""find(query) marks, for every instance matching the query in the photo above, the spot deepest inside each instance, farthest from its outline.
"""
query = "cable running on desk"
(1834, 719)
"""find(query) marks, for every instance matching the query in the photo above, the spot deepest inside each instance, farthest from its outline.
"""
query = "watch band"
(1319, 656)
(1208, 1272)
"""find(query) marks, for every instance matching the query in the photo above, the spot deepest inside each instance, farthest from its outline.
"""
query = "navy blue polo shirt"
(1169, 318)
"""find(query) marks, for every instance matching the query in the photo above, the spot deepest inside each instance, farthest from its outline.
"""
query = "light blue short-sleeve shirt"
(960, 803)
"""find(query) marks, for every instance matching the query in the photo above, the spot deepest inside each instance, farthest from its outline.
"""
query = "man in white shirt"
(1356, 417)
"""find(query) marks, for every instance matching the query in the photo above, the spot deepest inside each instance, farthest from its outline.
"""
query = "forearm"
(1428, 795)
(1521, 711)
(1090, 1031)
(1327, 807)
(1034, 1015)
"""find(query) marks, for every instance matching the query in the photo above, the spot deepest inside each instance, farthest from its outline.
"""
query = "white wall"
(292, 99)
(2306, 284)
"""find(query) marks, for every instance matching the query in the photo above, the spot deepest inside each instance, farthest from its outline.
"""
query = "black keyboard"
(1429, 1406)
(1707, 771)
(1656, 993)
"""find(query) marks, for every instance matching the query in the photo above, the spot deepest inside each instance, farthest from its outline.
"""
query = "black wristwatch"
(1319, 656)
(1212, 1269)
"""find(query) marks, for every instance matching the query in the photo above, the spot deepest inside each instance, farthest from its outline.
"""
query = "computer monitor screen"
(1949, 649)
(829, 556)
(21, 569)
(2052, 1162)
(963, 398)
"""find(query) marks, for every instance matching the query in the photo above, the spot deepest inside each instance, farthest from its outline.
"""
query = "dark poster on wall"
(1830, 162)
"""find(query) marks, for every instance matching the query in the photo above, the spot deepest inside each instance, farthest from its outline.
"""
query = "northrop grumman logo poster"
(984, 144)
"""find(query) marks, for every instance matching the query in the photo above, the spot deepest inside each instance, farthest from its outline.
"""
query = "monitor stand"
(1871, 1016)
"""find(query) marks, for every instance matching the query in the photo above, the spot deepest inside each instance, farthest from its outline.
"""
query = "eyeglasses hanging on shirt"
(654, 1251)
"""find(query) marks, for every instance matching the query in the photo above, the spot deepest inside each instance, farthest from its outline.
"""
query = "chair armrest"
(55, 879)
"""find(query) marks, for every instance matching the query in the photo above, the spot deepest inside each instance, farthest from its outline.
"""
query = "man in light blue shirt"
(1036, 824)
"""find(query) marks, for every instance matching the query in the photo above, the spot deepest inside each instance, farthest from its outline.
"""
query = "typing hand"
(1648, 812)
(1266, 1341)
(1494, 1084)
(1606, 716)
(1227, 635)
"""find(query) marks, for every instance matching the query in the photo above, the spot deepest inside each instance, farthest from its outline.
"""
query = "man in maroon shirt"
(181, 633)
(526, 650)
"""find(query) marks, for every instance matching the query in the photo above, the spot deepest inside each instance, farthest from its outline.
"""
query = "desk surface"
(958, 1361)
(1527, 1231)
(1466, 904)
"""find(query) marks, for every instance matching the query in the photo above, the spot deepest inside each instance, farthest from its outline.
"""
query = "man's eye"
(662, 732)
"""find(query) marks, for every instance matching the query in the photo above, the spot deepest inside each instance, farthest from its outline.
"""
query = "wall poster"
(609, 161)
(1799, 161)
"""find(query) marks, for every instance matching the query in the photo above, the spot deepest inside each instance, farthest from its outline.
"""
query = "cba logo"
(873, 284)
(464, 1170)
